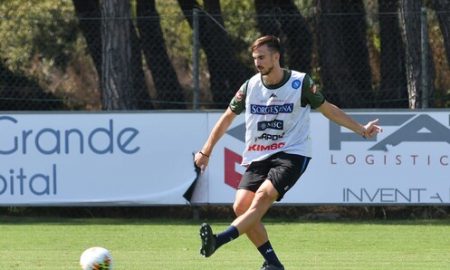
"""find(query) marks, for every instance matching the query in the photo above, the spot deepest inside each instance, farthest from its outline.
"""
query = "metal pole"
(424, 57)
(195, 60)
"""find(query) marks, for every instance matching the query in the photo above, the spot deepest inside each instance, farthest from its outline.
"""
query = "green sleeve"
(237, 104)
(310, 94)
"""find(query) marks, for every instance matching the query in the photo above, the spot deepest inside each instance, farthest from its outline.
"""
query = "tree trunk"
(140, 95)
(88, 14)
(344, 57)
(226, 73)
(393, 90)
(170, 94)
(442, 8)
(282, 18)
(116, 56)
(410, 30)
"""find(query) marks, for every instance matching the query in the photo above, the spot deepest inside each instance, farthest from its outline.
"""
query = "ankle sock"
(226, 236)
(269, 255)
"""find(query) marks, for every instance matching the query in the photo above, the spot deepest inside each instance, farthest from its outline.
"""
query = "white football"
(96, 258)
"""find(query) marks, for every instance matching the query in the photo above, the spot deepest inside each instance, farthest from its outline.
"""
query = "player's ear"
(276, 56)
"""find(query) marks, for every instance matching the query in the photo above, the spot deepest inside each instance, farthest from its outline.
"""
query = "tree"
(37, 45)
(139, 91)
(18, 92)
(122, 77)
(393, 90)
(153, 44)
(410, 26)
(88, 14)
(442, 8)
(282, 19)
(98, 21)
(226, 73)
(116, 55)
(344, 60)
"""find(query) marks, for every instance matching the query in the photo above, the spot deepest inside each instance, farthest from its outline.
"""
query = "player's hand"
(371, 129)
(201, 161)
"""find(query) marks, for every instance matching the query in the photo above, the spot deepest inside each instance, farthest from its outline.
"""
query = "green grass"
(34, 244)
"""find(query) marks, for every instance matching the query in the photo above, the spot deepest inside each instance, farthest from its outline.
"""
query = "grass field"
(140, 244)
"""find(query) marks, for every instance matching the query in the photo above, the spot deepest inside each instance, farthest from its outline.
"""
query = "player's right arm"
(237, 105)
(201, 158)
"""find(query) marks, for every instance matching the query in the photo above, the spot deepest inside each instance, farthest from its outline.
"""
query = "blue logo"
(296, 84)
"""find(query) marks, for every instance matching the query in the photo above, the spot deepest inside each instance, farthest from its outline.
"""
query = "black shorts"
(282, 169)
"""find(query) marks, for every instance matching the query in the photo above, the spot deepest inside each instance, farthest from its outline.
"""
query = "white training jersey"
(275, 120)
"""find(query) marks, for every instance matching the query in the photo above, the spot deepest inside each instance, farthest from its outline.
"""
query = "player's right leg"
(211, 242)
(208, 239)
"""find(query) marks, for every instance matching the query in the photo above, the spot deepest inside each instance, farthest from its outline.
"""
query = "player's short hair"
(272, 42)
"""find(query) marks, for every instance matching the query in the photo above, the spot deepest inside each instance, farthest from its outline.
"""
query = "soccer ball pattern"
(96, 258)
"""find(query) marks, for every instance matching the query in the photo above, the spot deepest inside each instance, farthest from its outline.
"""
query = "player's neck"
(274, 77)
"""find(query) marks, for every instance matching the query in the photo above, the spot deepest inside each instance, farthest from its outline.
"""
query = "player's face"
(264, 59)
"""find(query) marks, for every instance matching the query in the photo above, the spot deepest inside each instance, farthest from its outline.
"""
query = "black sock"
(226, 236)
(269, 255)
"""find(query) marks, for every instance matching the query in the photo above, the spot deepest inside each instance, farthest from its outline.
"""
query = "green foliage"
(239, 22)
(177, 32)
(40, 39)
(43, 29)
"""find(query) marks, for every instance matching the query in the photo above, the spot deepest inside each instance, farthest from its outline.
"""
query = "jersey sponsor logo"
(262, 147)
(275, 124)
(268, 137)
(296, 84)
(271, 109)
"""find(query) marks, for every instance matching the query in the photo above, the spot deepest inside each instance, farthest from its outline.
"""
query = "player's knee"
(265, 198)
(239, 208)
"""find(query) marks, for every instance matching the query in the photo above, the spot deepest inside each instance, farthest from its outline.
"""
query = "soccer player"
(276, 103)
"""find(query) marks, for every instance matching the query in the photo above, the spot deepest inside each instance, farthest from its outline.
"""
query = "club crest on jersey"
(296, 84)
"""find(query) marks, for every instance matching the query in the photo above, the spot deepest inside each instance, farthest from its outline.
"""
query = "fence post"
(195, 60)
(424, 57)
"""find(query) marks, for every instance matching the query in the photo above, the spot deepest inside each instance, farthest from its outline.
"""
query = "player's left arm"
(338, 116)
(311, 95)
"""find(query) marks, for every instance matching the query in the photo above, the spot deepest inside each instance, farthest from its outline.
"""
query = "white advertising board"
(98, 159)
(408, 163)
(146, 159)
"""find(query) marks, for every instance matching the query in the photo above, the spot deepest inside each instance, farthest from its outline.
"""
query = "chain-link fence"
(74, 56)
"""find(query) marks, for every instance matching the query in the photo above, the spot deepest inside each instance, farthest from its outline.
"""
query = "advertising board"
(146, 159)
